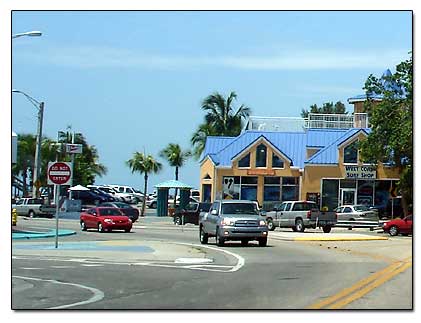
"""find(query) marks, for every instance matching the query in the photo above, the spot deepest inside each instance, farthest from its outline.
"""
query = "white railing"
(337, 121)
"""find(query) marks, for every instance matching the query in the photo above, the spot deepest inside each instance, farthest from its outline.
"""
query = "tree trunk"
(175, 191)
(142, 213)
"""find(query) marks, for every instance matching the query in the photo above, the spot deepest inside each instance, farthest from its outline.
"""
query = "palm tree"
(144, 165)
(220, 119)
(176, 158)
(25, 159)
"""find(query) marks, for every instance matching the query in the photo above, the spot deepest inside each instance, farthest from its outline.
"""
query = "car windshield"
(239, 208)
(361, 208)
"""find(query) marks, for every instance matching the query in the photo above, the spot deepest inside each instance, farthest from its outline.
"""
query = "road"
(162, 266)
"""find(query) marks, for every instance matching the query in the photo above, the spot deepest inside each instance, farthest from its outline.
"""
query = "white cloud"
(97, 57)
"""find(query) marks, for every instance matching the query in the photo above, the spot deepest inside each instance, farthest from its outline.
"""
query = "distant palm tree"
(220, 119)
(144, 165)
(176, 158)
(25, 160)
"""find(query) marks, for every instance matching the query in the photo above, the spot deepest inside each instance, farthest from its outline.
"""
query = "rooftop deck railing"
(337, 121)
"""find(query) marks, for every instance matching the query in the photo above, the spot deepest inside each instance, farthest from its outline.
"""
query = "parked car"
(127, 209)
(108, 196)
(190, 214)
(131, 195)
(233, 220)
(299, 215)
(88, 197)
(109, 190)
(396, 226)
(356, 213)
(105, 219)
(152, 204)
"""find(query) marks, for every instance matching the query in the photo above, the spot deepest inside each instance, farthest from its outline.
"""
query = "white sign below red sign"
(59, 173)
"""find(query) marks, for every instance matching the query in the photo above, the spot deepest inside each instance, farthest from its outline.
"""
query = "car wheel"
(299, 225)
(203, 236)
(394, 231)
(327, 228)
(244, 242)
(263, 242)
(177, 220)
(219, 241)
(100, 227)
(294, 229)
(83, 226)
(127, 230)
(270, 225)
(31, 213)
(153, 205)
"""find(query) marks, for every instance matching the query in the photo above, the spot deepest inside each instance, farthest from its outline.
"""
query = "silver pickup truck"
(299, 215)
(32, 207)
(233, 220)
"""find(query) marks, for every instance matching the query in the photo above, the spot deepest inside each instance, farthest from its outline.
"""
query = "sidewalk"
(313, 235)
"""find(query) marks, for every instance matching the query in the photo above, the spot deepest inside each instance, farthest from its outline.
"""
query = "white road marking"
(98, 295)
(58, 267)
(30, 268)
(92, 265)
(192, 260)
(240, 262)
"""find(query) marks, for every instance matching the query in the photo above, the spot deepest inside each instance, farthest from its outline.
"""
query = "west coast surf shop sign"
(360, 172)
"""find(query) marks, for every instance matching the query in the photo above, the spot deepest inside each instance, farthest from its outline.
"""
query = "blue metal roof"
(291, 144)
(329, 155)
(215, 144)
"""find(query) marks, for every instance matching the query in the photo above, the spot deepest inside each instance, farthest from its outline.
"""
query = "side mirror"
(276, 209)
(214, 212)
(263, 213)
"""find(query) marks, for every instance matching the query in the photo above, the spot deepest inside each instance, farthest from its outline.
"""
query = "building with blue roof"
(316, 161)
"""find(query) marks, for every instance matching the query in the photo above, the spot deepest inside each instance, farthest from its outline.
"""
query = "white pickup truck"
(32, 207)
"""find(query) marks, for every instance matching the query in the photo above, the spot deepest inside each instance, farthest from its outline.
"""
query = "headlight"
(108, 221)
(262, 222)
(227, 222)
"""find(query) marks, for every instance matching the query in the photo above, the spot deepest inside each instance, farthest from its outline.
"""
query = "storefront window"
(231, 187)
(365, 192)
(245, 161)
(351, 153)
(277, 162)
(261, 156)
(249, 192)
(290, 188)
(330, 191)
(272, 189)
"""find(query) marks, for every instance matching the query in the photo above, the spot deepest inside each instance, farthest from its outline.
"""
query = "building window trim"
(283, 161)
(241, 158)
(259, 147)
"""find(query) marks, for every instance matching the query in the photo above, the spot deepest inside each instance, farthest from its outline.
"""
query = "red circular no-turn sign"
(59, 173)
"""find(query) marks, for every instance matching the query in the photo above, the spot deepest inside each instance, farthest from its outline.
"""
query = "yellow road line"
(370, 287)
(341, 239)
(389, 272)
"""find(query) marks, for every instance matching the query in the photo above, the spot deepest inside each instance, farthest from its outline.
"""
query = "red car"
(105, 219)
(396, 226)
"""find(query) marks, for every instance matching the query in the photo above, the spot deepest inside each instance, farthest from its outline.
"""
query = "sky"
(134, 80)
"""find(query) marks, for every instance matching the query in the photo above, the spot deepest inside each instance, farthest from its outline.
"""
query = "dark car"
(100, 192)
(88, 197)
(190, 214)
(105, 219)
(127, 209)
(396, 226)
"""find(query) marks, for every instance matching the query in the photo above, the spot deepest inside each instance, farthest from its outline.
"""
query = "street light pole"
(37, 163)
(28, 33)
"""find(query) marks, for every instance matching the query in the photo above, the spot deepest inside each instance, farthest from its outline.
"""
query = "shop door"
(348, 196)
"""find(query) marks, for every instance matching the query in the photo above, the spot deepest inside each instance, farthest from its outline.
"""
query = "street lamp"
(37, 164)
(28, 33)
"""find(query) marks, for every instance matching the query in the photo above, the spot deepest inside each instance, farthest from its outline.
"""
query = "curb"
(34, 234)
(339, 238)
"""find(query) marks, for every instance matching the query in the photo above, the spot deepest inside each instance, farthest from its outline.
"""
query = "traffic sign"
(74, 148)
(59, 173)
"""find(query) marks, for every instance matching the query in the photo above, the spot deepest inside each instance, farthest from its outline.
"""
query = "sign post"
(58, 173)
(73, 149)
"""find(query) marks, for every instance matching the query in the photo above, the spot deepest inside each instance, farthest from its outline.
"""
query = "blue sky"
(134, 81)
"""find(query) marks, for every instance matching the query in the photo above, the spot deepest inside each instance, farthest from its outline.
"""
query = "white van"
(131, 195)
